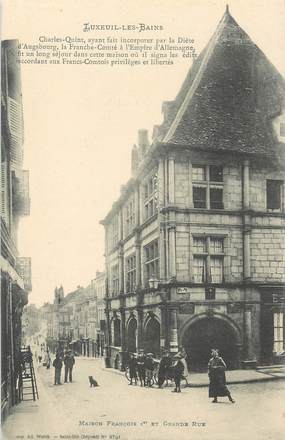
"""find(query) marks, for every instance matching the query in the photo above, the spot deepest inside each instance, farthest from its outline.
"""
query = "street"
(115, 410)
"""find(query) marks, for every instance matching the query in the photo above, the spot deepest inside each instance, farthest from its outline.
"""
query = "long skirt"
(217, 386)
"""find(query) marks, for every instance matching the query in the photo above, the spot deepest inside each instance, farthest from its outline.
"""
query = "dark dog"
(93, 382)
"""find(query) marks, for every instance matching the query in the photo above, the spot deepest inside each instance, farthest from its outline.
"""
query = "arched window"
(152, 336)
(132, 335)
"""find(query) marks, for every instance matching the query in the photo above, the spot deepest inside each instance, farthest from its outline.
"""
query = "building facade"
(15, 202)
(77, 319)
(195, 244)
(100, 292)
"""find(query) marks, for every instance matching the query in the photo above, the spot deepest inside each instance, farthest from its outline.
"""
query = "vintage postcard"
(142, 219)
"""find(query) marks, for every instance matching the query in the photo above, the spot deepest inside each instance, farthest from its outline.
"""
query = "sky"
(80, 122)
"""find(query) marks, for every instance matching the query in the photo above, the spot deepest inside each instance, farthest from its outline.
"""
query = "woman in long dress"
(216, 369)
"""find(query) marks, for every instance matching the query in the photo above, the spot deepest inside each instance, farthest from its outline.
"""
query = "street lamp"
(153, 283)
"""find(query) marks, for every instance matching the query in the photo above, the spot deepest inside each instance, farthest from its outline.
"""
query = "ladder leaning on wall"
(29, 389)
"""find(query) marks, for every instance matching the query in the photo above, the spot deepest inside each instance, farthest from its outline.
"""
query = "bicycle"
(137, 379)
(169, 378)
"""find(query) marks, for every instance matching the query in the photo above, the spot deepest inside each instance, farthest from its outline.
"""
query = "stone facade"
(15, 203)
(77, 319)
(197, 260)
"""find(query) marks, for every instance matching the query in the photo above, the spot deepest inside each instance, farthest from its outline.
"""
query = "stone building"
(195, 244)
(15, 203)
(100, 292)
(60, 319)
(76, 319)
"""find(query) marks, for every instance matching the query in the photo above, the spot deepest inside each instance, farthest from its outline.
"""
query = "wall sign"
(183, 290)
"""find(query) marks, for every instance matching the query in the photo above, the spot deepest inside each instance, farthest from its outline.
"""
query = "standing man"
(133, 369)
(47, 359)
(149, 367)
(178, 369)
(69, 361)
(57, 363)
(164, 368)
(141, 367)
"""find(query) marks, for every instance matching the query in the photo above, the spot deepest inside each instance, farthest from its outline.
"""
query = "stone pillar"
(190, 187)
(246, 253)
(249, 351)
(161, 182)
(171, 180)
(163, 328)
(138, 263)
(166, 194)
(162, 252)
(173, 331)
(208, 203)
(246, 222)
(245, 186)
(172, 251)
(208, 262)
(140, 329)
(123, 338)
(167, 271)
(121, 270)
(137, 205)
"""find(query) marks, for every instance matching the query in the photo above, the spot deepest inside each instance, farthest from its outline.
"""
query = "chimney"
(156, 133)
(134, 160)
(167, 110)
(143, 142)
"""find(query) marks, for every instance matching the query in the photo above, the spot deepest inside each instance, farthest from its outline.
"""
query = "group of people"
(142, 367)
(63, 358)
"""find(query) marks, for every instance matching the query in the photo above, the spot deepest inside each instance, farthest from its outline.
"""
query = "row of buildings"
(15, 203)
(77, 319)
(195, 244)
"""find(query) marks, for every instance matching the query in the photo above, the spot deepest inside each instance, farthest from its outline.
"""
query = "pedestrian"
(133, 368)
(141, 359)
(185, 360)
(47, 359)
(217, 377)
(69, 361)
(164, 368)
(178, 369)
(57, 363)
(149, 367)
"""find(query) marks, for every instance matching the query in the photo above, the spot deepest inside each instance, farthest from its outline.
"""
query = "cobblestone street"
(74, 410)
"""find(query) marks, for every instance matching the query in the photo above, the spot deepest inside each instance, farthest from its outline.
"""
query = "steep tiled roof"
(229, 97)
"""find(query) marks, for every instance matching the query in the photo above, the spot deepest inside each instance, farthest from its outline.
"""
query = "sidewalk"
(42, 416)
(241, 376)
(198, 380)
